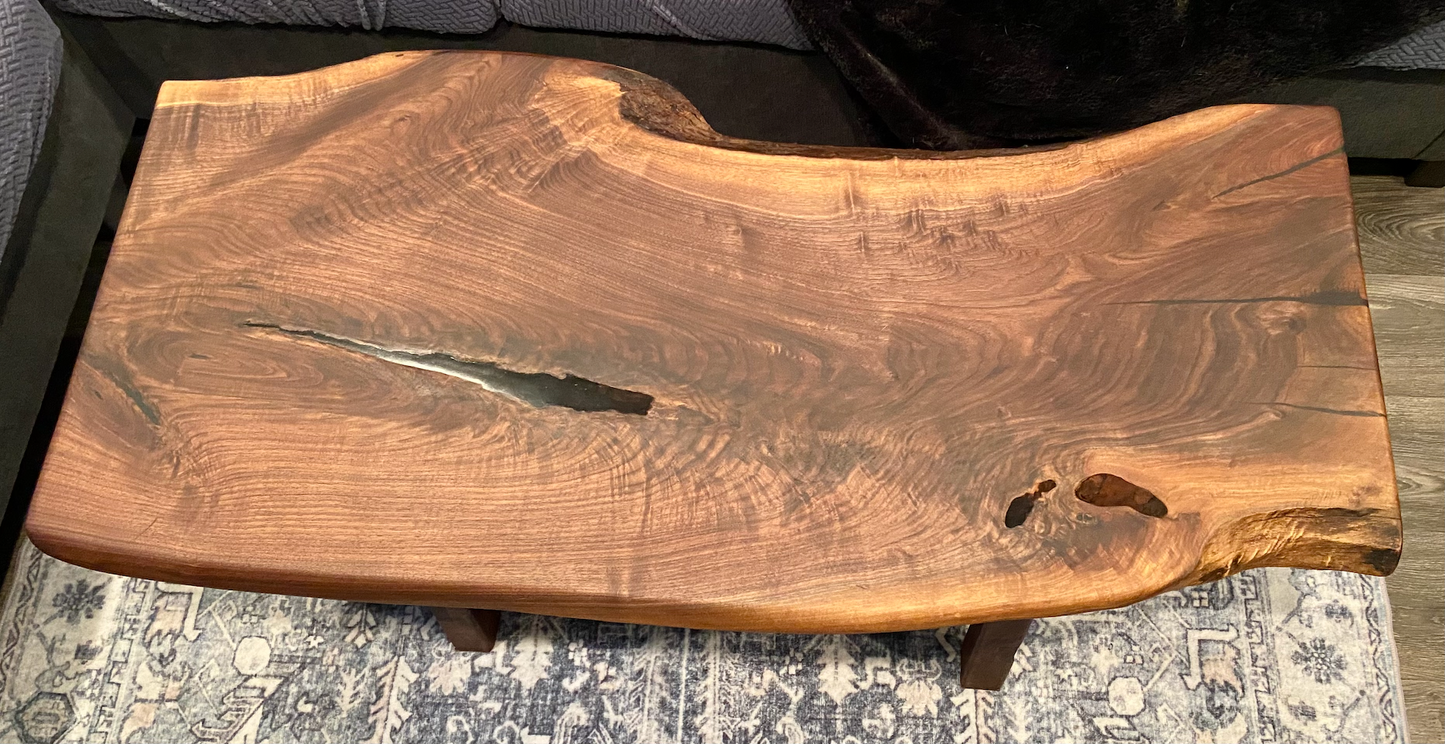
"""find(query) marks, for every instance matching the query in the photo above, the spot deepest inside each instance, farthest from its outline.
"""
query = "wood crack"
(1320, 409)
(1329, 297)
(538, 389)
(134, 395)
(1296, 167)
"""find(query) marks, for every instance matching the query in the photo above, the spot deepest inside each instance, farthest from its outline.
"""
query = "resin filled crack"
(536, 388)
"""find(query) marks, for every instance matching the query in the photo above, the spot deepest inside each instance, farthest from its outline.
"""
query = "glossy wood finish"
(472, 329)
(986, 655)
(468, 629)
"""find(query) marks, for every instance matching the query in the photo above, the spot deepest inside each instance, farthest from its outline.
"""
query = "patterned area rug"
(1271, 655)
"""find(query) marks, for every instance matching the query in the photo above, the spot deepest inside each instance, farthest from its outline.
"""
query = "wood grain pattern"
(1409, 320)
(306, 369)
(1402, 229)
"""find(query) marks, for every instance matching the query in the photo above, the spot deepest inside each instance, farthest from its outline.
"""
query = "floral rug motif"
(1271, 655)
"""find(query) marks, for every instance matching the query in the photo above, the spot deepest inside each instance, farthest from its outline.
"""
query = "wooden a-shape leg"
(468, 630)
(987, 653)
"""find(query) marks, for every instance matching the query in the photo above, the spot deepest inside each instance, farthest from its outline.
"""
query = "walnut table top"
(523, 333)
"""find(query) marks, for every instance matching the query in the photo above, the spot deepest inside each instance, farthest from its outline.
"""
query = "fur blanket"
(948, 74)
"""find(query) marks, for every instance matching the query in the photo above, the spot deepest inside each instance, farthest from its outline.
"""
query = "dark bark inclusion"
(1106, 489)
(538, 389)
(1020, 508)
(1103, 489)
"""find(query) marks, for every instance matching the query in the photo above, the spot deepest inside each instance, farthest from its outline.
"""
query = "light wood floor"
(1402, 238)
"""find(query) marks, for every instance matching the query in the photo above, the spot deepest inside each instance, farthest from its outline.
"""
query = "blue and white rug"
(1272, 655)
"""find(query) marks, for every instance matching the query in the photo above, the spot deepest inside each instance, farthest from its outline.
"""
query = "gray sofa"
(1392, 100)
(30, 57)
(761, 21)
(29, 72)
(30, 43)
(54, 191)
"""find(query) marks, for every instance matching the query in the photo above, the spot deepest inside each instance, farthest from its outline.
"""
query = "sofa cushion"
(1422, 50)
(444, 16)
(29, 71)
(762, 21)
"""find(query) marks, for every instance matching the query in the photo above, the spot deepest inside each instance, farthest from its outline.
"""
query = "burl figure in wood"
(481, 330)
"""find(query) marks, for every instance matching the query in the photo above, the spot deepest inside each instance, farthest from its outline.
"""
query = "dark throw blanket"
(948, 74)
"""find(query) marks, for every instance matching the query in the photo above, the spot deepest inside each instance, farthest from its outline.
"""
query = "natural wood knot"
(1106, 489)
(1020, 508)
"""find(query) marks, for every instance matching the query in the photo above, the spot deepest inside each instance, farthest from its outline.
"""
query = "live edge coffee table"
(480, 330)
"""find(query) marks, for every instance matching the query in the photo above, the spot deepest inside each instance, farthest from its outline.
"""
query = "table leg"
(987, 653)
(468, 630)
